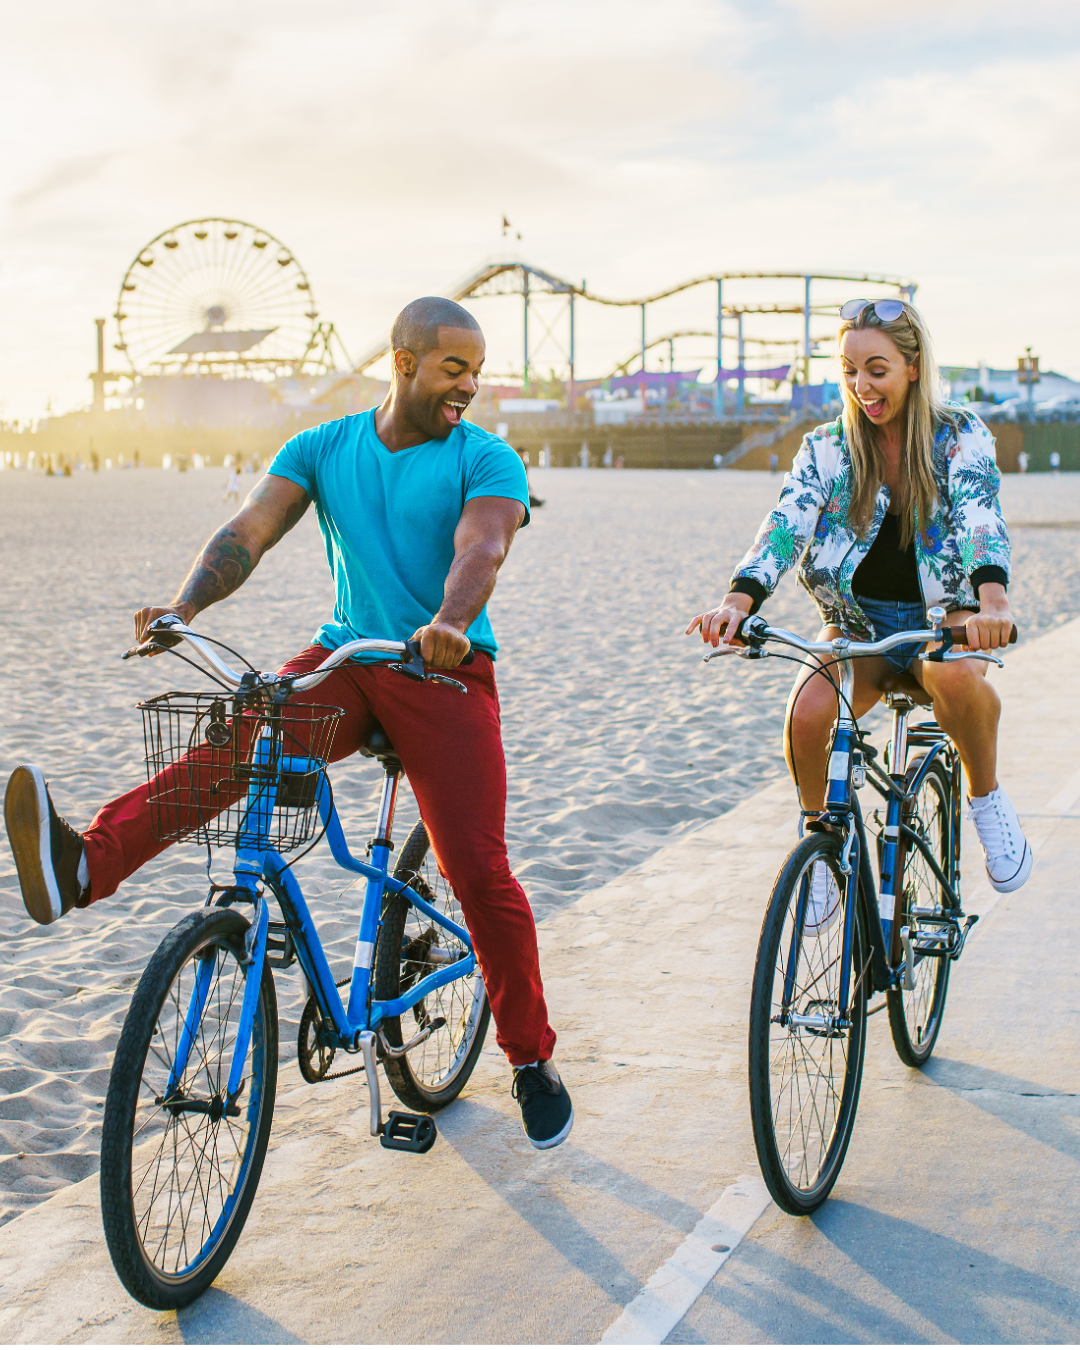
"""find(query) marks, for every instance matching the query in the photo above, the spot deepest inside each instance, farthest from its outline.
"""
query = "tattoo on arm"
(222, 566)
(292, 515)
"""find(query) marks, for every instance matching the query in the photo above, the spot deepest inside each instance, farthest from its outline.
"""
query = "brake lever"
(413, 668)
(445, 679)
(161, 640)
(964, 655)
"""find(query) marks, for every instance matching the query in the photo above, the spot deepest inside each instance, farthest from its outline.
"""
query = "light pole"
(719, 348)
(1027, 372)
(525, 294)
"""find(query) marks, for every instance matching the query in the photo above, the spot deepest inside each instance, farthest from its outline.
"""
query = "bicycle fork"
(840, 813)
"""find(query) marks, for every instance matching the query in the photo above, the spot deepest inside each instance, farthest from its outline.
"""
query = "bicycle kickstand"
(401, 1131)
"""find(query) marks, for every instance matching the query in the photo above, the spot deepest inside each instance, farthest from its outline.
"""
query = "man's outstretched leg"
(60, 868)
(49, 853)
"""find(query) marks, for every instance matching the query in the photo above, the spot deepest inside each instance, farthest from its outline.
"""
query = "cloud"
(633, 145)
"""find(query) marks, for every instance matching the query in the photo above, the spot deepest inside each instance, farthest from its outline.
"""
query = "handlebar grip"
(412, 650)
(959, 635)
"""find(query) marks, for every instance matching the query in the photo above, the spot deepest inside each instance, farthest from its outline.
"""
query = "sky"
(632, 145)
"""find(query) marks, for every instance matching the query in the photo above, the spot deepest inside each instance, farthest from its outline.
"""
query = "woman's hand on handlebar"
(443, 646)
(723, 621)
(992, 627)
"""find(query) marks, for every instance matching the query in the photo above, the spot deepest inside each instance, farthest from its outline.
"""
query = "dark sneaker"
(547, 1115)
(47, 850)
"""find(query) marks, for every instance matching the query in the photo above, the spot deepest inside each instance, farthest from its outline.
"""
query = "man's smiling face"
(439, 386)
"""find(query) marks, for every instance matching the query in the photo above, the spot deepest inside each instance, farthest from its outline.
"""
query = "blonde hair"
(924, 411)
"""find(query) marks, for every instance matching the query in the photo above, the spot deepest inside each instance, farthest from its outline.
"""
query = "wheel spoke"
(807, 1066)
(184, 1166)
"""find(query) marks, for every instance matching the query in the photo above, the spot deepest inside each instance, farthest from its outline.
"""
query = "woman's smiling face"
(876, 373)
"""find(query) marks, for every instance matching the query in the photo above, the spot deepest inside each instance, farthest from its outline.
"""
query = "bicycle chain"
(342, 1073)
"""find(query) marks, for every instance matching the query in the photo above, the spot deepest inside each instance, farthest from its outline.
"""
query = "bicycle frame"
(351, 1027)
(843, 812)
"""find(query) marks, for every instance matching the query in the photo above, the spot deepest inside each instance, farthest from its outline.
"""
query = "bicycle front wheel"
(915, 1014)
(410, 948)
(806, 1052)
(179, 1166)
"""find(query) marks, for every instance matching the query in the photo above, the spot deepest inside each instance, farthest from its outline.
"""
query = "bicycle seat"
(901, 684)
(377, 744)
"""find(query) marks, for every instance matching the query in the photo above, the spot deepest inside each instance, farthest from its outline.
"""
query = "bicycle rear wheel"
(915, 1015)
(806, 1059)
(178, 1175)
(411, 947)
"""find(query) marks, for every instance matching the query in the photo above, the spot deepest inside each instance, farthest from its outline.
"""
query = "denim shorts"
(894, 616)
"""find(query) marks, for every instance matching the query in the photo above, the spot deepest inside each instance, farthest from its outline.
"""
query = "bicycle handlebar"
(758, 631)
(169, 631)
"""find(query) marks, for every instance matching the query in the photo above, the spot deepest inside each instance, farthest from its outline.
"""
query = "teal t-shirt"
(388, 520)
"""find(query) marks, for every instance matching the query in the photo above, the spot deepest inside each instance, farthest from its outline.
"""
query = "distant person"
(1055, 461)
(418, 509)
(136, 458)
(232, 487)
(523, 455)
(774, 462)
(1022, 461)
(890, 509)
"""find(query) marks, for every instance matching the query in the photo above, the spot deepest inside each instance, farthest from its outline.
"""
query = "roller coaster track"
(514, 277)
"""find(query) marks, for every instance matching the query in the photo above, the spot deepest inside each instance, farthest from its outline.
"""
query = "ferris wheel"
(218, 294)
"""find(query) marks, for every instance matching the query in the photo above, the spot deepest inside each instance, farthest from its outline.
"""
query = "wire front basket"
(236, 770)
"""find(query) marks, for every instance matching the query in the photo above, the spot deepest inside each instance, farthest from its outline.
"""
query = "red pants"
(451, 748)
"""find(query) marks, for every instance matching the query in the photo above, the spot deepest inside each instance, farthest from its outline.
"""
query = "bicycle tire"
(147, 1234)
(915, 1015)
(434, 1073)
(800, 1178)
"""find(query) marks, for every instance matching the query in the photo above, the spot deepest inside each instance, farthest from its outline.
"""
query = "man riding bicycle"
(417, 510)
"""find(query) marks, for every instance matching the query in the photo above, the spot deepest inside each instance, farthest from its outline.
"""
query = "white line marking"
(363, 955)
(671, 1293)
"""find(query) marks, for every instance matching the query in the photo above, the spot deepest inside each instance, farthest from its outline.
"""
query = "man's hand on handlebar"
(723, 622)
(443, 646)
(146, 616)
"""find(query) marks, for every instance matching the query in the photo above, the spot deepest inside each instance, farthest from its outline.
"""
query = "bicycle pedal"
(408, 1134)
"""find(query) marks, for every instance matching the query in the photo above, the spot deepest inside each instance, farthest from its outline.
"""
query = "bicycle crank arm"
(366, 1044)
(396, 1052)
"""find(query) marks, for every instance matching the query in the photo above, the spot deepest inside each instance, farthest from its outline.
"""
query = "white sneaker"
(1009, 858)
(823, 902)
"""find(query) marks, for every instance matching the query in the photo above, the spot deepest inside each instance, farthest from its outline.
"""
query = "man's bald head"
(416, 328)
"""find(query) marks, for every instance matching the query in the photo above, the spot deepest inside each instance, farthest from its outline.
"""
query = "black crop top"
(889, 572)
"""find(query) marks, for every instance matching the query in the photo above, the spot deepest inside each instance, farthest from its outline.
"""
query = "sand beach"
(618, 738)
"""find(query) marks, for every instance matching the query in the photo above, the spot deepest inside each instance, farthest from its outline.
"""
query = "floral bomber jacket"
(966, 532)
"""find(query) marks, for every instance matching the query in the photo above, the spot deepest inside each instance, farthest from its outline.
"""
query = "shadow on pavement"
(220, 1319)
(1034, 1109)
(533, 1195)
(922, 1287)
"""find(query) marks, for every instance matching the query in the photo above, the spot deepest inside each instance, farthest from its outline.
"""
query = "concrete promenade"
(957, 1216)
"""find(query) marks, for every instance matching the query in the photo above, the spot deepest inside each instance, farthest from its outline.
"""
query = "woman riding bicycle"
(893, 508)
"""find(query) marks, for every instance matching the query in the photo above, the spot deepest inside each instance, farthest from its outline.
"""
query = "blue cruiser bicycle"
(191, 1093)
(833, 934)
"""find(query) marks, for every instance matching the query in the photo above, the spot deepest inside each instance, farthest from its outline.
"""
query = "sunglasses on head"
(888, 311)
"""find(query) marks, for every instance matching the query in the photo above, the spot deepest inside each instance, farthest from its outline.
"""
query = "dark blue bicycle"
(833, 934)
(191, 1093)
